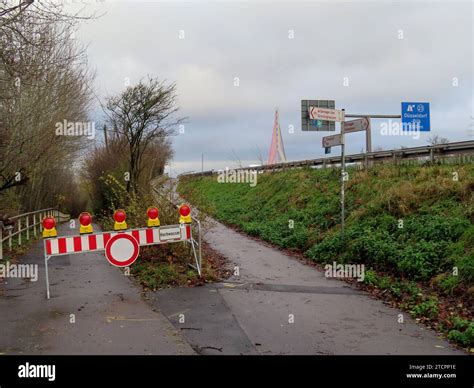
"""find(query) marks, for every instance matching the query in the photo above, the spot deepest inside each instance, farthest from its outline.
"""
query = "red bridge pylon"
(277, 150)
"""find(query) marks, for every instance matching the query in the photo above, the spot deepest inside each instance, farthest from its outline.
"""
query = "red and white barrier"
(96, 242)
(121, 247)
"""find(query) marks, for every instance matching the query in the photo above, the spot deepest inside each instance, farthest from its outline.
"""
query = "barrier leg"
(46, 258)
(1, 242)
(198, 260)
(199, 246)
(198, 265)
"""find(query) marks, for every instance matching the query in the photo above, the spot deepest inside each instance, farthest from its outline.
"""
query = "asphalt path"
(94, 309)
(278, 305)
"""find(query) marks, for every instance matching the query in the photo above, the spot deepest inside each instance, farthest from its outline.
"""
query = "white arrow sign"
(362, 124)
(316, 113)
(331, 141)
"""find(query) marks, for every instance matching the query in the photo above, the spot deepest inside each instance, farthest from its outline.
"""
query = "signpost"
(332, 141)
(308, 124)
(335, 140)
(362, 124)
(416, 116)
(343, 175)
(316, 113)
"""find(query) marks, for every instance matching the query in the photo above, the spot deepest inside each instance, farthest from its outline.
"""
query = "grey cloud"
(358, 40)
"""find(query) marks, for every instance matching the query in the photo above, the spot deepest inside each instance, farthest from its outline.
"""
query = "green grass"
(153, 275)
(411, 223)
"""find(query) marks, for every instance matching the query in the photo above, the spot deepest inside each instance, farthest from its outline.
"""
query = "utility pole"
(368, 137)
(105, 137)
(171, 185)
(202, 164)
(343, 174)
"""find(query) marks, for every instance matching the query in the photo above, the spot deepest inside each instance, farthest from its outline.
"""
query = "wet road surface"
(94, 309)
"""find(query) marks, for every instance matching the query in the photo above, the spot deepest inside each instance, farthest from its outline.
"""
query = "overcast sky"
(283, 52)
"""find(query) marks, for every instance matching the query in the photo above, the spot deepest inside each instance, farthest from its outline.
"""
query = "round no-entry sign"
(121, 250)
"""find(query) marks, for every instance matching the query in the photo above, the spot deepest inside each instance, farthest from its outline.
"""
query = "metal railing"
(27, 224)
(431, 153)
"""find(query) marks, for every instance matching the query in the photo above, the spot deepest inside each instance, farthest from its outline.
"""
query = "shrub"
(327, 250)
(463, 336)
(370, 277)
(374, 247)
(465, 266)
(449, 284)
(434, 228)
(422, 260)
(428, 309)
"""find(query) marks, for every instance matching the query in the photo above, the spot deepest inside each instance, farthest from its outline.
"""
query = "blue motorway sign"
(416, 116)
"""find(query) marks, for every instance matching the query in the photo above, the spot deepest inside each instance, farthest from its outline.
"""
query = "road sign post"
(308, 124)
(332, 141)
(335, 140)
(316, 113)
(368, 137)
(343, 170)
(416, 116)
(362, 124)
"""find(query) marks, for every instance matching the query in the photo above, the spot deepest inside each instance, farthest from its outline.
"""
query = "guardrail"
(25, 223)
(193, 241)
(432, 152)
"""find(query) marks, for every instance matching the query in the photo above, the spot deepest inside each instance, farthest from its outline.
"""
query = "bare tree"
(143, 113)
(436, 139)
(44, 80)
(237, 159)
(260, 156)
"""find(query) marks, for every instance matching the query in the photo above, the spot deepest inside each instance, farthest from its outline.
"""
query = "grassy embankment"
(410, 225)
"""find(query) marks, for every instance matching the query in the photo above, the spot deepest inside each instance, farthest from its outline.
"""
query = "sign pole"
(343, 169)
(368, 139)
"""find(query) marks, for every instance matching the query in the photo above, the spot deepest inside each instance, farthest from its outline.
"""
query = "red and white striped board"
(97, 242)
